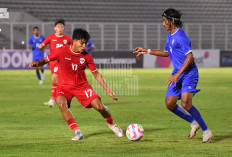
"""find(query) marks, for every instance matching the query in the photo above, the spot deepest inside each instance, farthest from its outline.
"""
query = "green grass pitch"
(28, 128)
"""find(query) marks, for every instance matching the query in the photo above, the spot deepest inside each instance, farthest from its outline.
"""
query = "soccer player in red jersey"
(72, 60)
(55, 41)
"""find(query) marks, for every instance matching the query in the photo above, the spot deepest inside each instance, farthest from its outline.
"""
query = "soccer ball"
(134, 132)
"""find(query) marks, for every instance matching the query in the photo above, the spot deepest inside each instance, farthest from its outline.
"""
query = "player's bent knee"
(169, 104)
(186, 105)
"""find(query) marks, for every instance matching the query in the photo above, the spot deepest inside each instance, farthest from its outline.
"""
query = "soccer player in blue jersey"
(183, 81)
(34, 42)
(89, 47)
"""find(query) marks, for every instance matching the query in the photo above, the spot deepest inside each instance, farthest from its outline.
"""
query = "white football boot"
(50, 103)
(207, 136)
(195, 127)
(78, 135)
(40, 82)
(117, 130)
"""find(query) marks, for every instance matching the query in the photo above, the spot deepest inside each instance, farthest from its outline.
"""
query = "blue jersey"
(35, 42)
(89, 45)
(178, 46)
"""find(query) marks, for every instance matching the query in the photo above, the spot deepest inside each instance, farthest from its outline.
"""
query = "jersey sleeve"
(46, 41)
(91, 64)
(166, 46)
(30, 41)
(185, 44)
(54, 56)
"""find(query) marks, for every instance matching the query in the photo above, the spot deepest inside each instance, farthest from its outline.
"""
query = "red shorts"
(53, 67)
(84, 94)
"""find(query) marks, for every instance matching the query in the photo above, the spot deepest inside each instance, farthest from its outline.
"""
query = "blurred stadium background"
(122, 25)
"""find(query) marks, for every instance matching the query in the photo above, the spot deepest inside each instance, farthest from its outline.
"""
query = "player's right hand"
(140, 50)
(33, 64)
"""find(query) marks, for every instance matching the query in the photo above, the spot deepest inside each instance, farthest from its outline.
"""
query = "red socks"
(109, 120)
(53, 91)
(72, 124)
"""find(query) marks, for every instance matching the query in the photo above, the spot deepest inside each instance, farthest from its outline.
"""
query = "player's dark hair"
(35, 28)
(171, 14)
(60, 21)
(80, 34)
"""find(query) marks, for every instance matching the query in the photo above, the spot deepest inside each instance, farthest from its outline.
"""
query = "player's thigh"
(61, 99)
(62, 102)
(171, 101)
(64, 96)
(186, 100)
(97, 104)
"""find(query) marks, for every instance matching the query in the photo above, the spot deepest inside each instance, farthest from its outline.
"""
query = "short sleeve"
(46, 41)
(54, 56)
(166, 46)
(185, 44)
(90, 63)
(30, 41)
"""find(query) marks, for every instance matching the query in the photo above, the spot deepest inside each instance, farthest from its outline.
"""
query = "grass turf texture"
(28, 128)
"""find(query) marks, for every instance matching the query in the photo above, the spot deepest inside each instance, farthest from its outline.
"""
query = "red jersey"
(72, 65)
(55, 41)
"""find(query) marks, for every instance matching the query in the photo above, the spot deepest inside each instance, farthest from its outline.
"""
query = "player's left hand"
(173, 79)
(33, 64)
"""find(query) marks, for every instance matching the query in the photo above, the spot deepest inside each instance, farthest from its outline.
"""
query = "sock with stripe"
(182, 113)
(53, 91)
(197, 116)
(72, 124)
(109, 120)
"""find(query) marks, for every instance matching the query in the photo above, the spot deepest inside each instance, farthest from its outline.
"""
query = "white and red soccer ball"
(134, 132)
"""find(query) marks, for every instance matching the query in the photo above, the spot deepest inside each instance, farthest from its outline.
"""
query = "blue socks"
(38, 74)
(42, 70)
(182, 113)
(197, 116)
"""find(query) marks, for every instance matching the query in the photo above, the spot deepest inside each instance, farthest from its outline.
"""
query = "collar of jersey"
(58, 36)
(36, 37)
(175, 31)
(74, 52)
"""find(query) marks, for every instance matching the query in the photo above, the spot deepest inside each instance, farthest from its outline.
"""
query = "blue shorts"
(186, 83)
(37, 57)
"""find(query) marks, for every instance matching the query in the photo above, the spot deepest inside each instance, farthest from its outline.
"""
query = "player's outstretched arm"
(142, 50)
(102, 82)
(39, 63)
